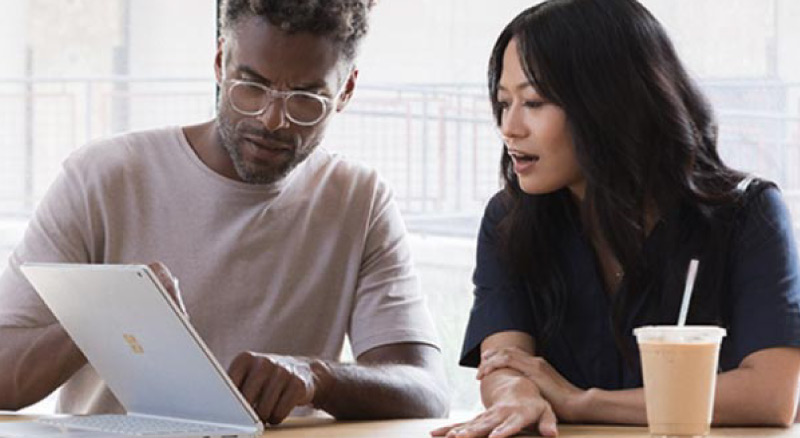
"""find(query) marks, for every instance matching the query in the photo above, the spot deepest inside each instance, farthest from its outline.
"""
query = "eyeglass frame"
(327, 102)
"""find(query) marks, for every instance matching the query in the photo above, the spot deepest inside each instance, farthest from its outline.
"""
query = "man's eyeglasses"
(300, 107)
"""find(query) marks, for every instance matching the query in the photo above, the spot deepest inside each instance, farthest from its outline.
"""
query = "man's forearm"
(34, 362)
(359, 392)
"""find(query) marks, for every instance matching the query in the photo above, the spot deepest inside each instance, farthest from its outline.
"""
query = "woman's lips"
(523, 162)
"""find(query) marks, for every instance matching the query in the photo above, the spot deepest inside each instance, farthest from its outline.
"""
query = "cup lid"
(684, 334)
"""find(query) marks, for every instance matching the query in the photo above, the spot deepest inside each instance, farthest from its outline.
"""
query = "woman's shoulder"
(762, 211)
(751, 195)
(498, 206)
(756, 190)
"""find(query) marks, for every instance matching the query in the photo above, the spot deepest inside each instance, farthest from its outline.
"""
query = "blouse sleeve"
(765, 286)
(499, 305)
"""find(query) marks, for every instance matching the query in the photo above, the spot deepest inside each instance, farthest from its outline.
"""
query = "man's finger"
(270, 394)
(169, 281)
(162, 273)
(254, 380)
(239, 368)
(289, 398)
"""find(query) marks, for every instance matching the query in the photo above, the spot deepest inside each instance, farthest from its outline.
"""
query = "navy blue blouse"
(762, 295)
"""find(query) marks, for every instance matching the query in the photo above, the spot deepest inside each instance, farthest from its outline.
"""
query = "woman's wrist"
(580, 408)
(497, 385)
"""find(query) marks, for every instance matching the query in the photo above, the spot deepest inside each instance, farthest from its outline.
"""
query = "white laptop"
(143, 346)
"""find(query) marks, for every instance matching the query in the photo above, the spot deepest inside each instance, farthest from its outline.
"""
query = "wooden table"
(328, 428)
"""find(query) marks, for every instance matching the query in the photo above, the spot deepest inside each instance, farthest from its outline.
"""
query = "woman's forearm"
(616, 407)
(744, 396)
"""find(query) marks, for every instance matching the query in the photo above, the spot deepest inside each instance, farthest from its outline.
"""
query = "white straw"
(687, 291)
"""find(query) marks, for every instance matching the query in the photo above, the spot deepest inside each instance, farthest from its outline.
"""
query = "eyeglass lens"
(250, 99)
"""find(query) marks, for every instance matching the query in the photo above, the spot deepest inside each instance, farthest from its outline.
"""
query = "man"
(282, 249)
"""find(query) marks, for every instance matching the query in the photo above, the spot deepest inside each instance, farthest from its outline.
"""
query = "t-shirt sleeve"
(499, 305)
(57, 233)
(389, 305)
(765, 285)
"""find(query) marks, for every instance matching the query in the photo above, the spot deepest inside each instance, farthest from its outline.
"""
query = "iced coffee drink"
(679, 368)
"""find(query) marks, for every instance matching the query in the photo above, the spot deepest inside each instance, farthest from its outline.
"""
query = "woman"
(612, 184)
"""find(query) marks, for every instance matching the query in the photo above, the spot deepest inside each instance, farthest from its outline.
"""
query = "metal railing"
(435, 144)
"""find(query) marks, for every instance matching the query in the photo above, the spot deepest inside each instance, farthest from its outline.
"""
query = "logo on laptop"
(133, 343)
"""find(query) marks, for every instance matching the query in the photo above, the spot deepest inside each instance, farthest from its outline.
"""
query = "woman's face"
(535, 133)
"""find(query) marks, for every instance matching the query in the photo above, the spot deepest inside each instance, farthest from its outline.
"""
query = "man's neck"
(206, 144)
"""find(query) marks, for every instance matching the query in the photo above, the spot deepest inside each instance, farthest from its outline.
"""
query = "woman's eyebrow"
(519, 86)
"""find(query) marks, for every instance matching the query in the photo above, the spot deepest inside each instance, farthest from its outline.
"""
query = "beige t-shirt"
(288, 269)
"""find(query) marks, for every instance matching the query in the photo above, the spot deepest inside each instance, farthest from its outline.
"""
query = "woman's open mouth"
(523, 161)
(523, 158)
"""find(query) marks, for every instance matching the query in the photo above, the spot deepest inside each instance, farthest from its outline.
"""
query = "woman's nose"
(512, 123)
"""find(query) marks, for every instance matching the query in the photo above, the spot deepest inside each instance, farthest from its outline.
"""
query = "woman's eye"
(534, 103)
(502, 105)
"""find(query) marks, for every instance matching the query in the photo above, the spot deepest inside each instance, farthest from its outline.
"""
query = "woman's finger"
(477, 428)
(442, 431)
(529, 366)
(512, 426)
(493, 363)
(547, 423)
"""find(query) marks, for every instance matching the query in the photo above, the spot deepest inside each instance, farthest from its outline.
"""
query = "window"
(81, 69)
(421, 116)
(77, 70)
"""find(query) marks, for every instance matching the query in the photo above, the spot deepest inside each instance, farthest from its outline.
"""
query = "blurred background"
(77, 70)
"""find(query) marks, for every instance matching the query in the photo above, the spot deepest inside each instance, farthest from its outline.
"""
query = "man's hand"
(566, 399)
(274, 384)
(170, 283)
(516, 404)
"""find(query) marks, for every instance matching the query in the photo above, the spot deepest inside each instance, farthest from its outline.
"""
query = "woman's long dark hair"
(644, 137)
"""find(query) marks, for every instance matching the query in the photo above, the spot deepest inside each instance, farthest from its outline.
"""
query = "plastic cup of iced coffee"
(679, 368)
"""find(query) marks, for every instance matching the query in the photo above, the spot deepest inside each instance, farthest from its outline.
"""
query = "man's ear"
(349, 88)
(219, 61)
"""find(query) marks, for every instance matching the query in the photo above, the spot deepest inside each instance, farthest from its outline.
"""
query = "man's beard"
(232, 141)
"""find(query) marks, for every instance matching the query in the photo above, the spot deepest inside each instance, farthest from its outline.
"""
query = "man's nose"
(274, 116)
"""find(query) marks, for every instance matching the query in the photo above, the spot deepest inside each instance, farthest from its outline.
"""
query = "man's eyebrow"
(249, 71)
(311, 86)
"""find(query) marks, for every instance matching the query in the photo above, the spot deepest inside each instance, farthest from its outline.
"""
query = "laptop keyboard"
(129, 425)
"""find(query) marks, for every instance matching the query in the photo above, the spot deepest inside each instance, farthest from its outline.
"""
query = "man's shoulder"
(340, 172)
(120, 150)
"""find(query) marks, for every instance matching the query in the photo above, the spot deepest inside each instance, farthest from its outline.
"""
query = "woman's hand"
(566, 399)
(514, 402)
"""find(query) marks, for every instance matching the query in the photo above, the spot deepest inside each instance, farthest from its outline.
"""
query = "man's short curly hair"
(345, 21)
